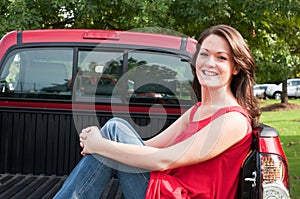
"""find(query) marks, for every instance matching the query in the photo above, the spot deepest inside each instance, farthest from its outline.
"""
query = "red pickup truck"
(53, 83)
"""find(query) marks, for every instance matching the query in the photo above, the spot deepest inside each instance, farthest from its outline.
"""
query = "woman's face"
(215, 65)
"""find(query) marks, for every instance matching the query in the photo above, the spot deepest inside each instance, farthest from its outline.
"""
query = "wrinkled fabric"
(163, 186)
(216, 178)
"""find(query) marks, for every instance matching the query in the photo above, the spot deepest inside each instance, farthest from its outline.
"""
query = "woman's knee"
(117, 121)
(118, 129)
(112, 126)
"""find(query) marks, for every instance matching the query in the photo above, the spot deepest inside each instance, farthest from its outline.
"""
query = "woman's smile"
(209, 73)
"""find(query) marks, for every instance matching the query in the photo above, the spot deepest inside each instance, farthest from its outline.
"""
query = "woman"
(200, 154)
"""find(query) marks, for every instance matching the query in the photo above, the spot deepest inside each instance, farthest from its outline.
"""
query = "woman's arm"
(215, 138)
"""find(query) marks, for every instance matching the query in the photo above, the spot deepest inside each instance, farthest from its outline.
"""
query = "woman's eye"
(203, 54)
(222, 57)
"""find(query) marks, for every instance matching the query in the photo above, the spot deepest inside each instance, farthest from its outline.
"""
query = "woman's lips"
(209, 73)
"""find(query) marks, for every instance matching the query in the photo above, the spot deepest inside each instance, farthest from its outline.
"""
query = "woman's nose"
(211, 62)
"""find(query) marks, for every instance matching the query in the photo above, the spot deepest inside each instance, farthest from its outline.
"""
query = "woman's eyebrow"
(219, 52)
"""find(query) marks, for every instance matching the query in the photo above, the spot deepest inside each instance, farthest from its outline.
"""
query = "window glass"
(99, 73)
(295, 83)
(38, 73)
(159, 78)
(135, 77)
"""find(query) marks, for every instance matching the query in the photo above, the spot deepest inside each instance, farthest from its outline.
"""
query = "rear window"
(133, 76)
(38, 73)
(106, 75)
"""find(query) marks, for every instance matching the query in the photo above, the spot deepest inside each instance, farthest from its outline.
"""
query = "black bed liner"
(18, 186)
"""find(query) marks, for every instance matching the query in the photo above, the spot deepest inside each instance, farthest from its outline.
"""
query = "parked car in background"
(297, 95)
(259, 90)
(275, 91)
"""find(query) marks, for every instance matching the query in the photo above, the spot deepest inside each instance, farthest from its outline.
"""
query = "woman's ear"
(236, 70)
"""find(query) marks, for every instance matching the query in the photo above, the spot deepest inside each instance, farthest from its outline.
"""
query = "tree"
(93, 14)
(276, 31)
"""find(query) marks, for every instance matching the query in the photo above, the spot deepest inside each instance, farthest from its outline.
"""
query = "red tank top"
(216, 178)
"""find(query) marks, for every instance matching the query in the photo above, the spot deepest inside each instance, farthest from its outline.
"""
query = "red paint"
(97, 36)
(271, 145)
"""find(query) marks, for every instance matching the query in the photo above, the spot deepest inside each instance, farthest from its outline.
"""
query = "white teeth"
(209, 73)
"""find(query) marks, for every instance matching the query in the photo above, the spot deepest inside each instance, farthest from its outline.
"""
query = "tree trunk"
(284, 96)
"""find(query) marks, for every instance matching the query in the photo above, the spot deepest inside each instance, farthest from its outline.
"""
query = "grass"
(287, 122)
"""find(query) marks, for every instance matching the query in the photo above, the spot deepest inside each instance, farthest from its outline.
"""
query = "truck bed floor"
(18, 186)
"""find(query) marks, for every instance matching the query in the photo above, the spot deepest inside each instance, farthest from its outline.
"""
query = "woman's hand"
(89, 138)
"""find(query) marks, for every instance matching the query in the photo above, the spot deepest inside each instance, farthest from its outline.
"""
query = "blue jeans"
(91, 175)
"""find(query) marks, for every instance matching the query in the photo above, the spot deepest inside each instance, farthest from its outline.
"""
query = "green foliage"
(277, 63)
(104, 14)
(193, 16)
(277, 27)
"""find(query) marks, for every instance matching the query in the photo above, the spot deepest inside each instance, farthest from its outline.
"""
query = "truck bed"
(38, 142)
(18, 186)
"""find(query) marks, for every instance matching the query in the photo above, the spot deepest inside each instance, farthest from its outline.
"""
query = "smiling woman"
(242, 79)
(214, 136)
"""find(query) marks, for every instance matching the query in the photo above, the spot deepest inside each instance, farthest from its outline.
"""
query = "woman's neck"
(220, 97)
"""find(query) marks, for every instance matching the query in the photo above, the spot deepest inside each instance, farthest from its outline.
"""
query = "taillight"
(274, 176)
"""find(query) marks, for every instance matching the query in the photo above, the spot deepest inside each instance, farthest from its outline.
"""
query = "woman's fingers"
(82, 136)
(86, 137)
(83, 151)
(81, 145)
(86, 130)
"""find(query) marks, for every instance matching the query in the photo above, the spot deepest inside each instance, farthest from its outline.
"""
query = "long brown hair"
(242, 83)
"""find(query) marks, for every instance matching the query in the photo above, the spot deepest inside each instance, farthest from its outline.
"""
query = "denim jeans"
(91, 175)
